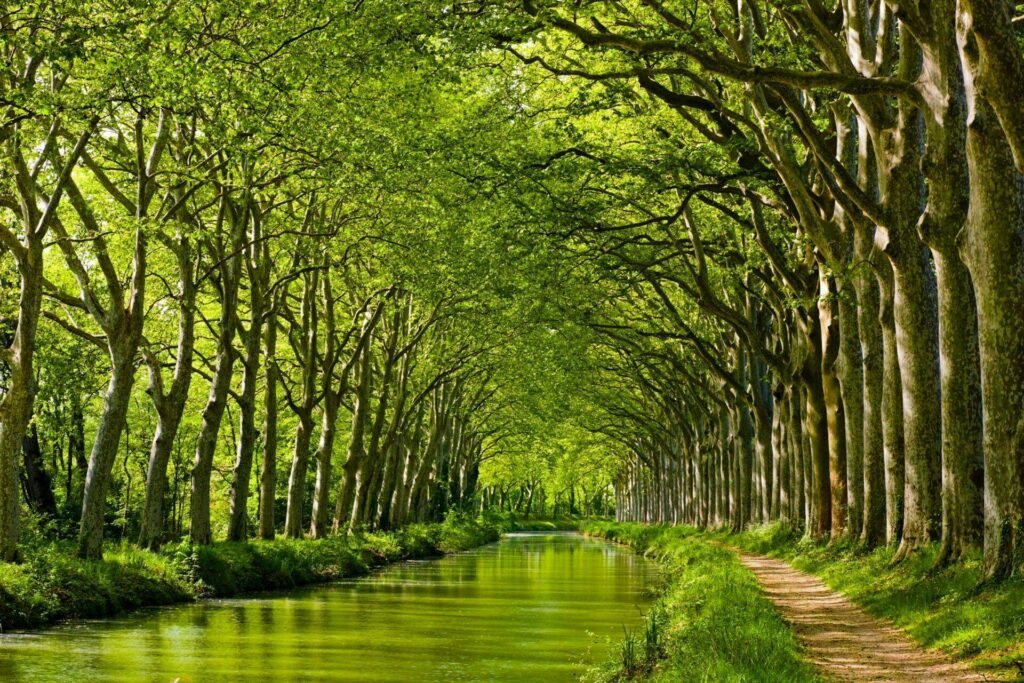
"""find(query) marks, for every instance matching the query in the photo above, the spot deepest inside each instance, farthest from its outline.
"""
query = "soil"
(842, 640)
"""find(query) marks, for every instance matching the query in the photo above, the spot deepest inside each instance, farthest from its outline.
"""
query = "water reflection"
(529, 608)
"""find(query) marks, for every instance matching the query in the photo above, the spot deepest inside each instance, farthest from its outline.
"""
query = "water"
(532, 607)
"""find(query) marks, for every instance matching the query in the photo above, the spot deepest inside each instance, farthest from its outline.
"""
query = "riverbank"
(532, 607)
(947, 608)
(513, 523)
(53, 585)
(711, 621)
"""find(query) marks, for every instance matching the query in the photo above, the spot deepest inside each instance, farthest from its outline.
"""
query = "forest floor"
(52, 585)
(842, 640)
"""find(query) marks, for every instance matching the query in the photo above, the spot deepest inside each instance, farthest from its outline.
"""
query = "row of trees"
(217, 201)
(815, 223)
(564, 471)
(770, 255)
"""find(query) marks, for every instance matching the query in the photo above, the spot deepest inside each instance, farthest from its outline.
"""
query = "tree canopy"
(307, 267)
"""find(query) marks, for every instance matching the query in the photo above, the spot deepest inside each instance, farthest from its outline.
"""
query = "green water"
(528, 608)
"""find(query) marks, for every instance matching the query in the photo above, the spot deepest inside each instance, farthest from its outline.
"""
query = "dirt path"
(842, 640)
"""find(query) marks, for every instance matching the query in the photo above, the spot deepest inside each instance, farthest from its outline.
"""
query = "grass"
(949, 609)
(52, 584)
(510, 521)
(547, 525)
(711, 622)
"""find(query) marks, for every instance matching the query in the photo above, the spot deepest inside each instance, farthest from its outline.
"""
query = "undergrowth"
(511, 522)
(51, 584)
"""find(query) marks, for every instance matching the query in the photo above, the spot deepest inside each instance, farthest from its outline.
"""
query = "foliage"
(540, 259)
(52, 585)
(460, 531)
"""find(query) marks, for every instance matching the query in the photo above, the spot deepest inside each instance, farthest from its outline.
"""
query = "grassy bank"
(949, 608)
(711, 622)
(547, 525)
(544, 525)
(52, 585)
(510, 521)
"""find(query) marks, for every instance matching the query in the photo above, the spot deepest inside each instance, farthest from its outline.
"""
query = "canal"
(532, 607)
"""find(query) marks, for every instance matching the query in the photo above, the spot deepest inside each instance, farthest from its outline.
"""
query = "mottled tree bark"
(356, 446)
(850, 372)
(239, 495)
(873, 355)
(992, 245)
(257, 266)
(16, 402)
(304, 343)
(169, 405)
(229, 268)
(206, 442)
(815, 426)
(945, 167)
(268, 473)
(828, 309)
(104, 449)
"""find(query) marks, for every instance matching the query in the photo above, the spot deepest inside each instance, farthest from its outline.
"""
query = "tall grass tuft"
(652, 632)
(629, 655)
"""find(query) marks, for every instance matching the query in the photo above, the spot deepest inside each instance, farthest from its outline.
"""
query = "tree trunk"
(427, 461)
(16, 402)
(152, 523)
(247, 435)
(961, 408)
(104, 450)
(206, 442)
(170, 407)
(293, 523)
(850, 372)
(394, 447)
(38, 482)
(893, 435)
(834, 408)
(916, 315)
(815, 414)
(306, 352)
(795, 437)
(992, 245)
(268, 475)
(356, 448)
(873, 357)
(229, 268)
(372, 463)
(258, 264)
(123, 327)
(945, 167)
(323, 456)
